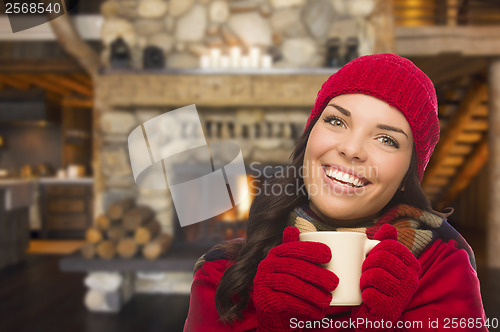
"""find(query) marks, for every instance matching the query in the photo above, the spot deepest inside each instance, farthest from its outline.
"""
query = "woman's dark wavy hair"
(268, 218)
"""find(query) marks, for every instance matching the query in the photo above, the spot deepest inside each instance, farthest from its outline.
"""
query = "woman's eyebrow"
(341, 109)
(380, 126)
(386, 127)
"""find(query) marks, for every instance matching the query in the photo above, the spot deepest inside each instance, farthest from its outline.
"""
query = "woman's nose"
(352, 148)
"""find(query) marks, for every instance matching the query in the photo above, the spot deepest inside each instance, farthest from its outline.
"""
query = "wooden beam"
(71, 41)
(83, 79)
(64, 81)
(22, 80)
(78, 102)
(460, 148)
(474, 97)
(452, 161)
(482, 110)
(478, 124)
(434, 40)
(439, 181)
(63, 65)
(13, 82)
(446, 171)
(39, 81)
(469, 137)
(467, 173)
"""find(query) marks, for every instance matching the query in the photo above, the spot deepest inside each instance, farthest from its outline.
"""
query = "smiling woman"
(363, 153)
(353, 142)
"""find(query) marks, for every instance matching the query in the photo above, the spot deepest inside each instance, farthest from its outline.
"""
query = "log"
(158, 246)
(127, 247)
(103, 222)
(104, 281)
(146, 233)
(116, 233)
(117, 210)
(106, 249)
(136, 217)
(88, 250)
(93, 235)
(96, 300)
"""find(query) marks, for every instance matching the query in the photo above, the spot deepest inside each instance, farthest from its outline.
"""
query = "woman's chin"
(342, 213)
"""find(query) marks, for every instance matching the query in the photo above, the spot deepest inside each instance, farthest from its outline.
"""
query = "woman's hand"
(389, 279)
(290, 283)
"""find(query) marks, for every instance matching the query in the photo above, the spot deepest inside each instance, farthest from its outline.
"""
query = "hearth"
(232, 223)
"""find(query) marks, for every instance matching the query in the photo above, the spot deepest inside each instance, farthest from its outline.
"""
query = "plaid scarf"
(417, 229)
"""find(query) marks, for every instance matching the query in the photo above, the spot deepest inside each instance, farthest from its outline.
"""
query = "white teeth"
(338, 175)
(345, 178)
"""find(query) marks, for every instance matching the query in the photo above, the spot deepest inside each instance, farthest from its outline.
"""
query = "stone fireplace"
(262, 113)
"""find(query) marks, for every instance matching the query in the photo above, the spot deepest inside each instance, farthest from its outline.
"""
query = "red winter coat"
(447, 297)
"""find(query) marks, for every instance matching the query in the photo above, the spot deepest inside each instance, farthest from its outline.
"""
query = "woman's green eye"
(334, 121)
(388, 141)
(337, 123)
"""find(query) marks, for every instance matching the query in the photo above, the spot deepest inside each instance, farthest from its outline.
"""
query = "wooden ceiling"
(63, 80)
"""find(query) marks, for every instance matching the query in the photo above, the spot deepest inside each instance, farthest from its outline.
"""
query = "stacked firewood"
(126, 230)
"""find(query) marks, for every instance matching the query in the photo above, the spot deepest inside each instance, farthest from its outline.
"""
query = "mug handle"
(369, 245)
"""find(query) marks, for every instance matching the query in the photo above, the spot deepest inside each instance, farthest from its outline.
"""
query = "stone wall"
(294, 32)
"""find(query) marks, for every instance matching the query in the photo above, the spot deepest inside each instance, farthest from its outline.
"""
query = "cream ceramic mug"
(349, 250)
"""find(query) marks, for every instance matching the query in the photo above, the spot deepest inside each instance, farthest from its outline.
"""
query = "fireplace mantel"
(211, 88)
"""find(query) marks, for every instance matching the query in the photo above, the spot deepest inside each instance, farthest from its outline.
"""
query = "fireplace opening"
(231, 223)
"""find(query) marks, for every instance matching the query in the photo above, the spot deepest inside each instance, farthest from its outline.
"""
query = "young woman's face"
(356, 157)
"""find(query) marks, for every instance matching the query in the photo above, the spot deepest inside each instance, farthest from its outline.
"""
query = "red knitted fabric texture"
(398, 82)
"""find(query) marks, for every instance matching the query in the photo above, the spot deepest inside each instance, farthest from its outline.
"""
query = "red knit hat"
(398, 82)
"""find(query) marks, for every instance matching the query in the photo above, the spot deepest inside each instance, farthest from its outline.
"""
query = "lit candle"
(215, 57)
(205, 62)
(254, 57)
(235, 56)
(245, 62)
(266, 61)
(254, 52)
(224, 62)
